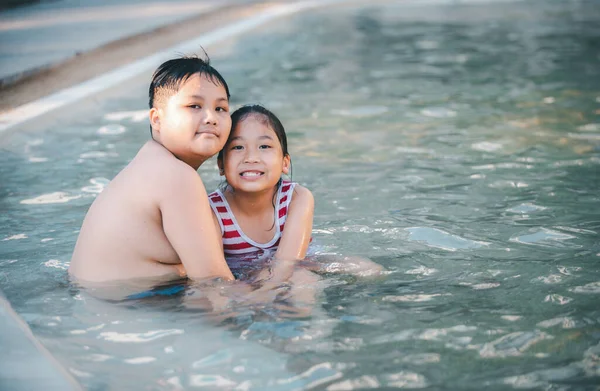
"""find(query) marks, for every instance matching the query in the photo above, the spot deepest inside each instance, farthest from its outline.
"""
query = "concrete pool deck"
(77, 76)
(26, 364)
(49, 46)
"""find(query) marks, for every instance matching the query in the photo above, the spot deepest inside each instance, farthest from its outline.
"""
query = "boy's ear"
(154, 116)
(287, 160)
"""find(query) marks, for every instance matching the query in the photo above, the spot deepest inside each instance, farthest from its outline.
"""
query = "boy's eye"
(222, 109)
(195, 106)
(264, 146)
(237, 147)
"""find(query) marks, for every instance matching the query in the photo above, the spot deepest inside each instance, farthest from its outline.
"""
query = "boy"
(154, 220)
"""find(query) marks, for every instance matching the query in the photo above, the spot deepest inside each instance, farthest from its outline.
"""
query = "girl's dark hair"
(263, 115)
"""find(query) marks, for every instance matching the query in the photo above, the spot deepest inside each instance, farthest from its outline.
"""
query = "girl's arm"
(298, 226)
(293, 245)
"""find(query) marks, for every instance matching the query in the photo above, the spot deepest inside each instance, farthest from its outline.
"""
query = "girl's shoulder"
(301, 194)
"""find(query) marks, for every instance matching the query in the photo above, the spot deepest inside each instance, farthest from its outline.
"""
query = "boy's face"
(195, 122)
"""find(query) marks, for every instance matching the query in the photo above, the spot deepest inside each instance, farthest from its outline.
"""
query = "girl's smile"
(251, 174)
(253, 159)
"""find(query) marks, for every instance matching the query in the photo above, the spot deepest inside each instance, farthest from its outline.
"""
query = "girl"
(259, 215)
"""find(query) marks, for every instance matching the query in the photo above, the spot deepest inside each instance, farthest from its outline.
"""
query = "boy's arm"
(188, 224)
(298, 226)
(218, 228)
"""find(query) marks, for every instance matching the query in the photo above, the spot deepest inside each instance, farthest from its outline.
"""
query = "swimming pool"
(456, 144)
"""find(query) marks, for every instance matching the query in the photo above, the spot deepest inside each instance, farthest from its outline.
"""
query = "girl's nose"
(251, 157)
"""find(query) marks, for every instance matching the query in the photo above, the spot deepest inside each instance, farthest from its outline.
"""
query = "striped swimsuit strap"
(235, 241)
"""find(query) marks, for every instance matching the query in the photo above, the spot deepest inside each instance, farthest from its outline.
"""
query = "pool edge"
(26, 363)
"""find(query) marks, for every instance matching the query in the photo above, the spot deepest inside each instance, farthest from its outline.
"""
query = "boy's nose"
(210, 117)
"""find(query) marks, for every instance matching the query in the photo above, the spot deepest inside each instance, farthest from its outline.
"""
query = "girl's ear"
(286, 164)
(220, 165)
(154, 115)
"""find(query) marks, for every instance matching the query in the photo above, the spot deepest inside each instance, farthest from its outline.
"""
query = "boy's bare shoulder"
(166, 169)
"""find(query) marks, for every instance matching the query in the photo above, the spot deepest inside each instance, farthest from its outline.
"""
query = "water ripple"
(37, 159)
(58, 197)
(544, 237)
(592, 287)
(55, 263)
(138, 337)
(134, 116)
(422, 358)
(139, 360)
(565, 322)
(111, 129)
(558, 299)
(438, 112)
(218, 358)
(568, 270)
(15, 237)
(98, 185)
(427, 334)
(437, 238)
(526, 208)
(591, 361)
(539, 379)
(97, 155)
(486, 146)
(513, 344)
(405, 379)
(421, 270)
(363, 382)
(313, 377)
(551, 279)
(211, 381)
(416, 298)
(362, 112)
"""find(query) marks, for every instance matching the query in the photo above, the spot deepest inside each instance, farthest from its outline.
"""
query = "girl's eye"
(222, 109)
(264, 146)
(195, 106)
(237, 147)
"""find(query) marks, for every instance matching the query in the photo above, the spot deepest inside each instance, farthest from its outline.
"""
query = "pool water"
(457, 144)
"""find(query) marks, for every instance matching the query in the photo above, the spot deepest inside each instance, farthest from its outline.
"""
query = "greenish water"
(457, 145)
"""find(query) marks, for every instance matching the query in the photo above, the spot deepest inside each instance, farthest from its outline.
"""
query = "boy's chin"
(207, 151)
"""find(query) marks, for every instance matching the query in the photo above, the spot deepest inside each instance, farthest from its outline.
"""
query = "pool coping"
(81, 83)
(27, 364)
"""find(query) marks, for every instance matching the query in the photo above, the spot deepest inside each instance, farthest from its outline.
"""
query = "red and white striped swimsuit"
(236, 245)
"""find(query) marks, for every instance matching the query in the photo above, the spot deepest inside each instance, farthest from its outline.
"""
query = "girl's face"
(253, 160)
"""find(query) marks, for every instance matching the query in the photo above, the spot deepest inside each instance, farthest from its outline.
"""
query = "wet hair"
(172, 74)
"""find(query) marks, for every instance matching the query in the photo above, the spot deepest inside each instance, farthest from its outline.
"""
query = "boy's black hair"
(170, 75)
